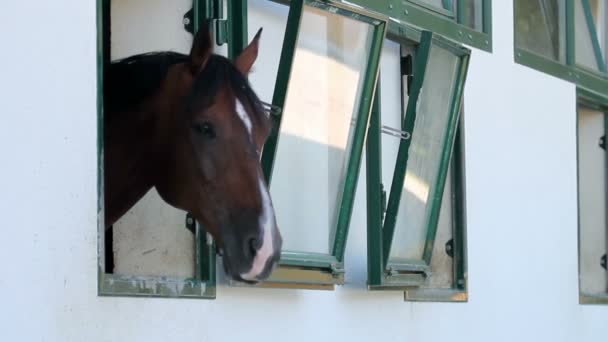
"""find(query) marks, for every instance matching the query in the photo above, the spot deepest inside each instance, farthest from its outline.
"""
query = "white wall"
(521, 187)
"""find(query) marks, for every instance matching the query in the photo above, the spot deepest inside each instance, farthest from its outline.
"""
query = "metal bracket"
(604, 262)
(407, 69)
(220, 25)
(406, 65)
(449, 248)
(188, 21)
(337, 269)
(190, 223)
(602, 142)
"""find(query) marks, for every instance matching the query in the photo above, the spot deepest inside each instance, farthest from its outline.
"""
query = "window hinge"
(190, 223)
(449, 248)
(603, 142)
(407, 70)
(217, 16)
(221, 31)
(337, 269)
(604, 262)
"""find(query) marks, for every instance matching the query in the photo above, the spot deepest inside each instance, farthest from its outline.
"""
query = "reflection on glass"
(318, 122)
(585, 54)
(473, 14)
(598, 11)
(593, 237)
(539, 27)
(273, 18)
(390, 93)
(424, 155)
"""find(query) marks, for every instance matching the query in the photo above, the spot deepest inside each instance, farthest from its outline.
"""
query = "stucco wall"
(521, 201)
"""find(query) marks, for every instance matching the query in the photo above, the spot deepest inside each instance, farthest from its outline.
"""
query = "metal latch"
(604, 262)
(190, 223)
(449, 248)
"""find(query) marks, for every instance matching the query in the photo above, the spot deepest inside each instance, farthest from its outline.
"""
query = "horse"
(192, 127)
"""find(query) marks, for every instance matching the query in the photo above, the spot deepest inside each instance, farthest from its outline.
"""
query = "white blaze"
(266, 221)
(240, 110)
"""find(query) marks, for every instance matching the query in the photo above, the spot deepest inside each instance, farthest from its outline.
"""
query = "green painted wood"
(583, 78)
(459, 211)
(203, 11)
(570, 34)
(237, 27)
(375, 269)
(307, 259)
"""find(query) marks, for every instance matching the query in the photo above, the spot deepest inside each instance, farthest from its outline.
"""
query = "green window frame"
(203, 284)
(590, 266)
(323, 270)
(560, 33)
(410, 275)
(455, 20)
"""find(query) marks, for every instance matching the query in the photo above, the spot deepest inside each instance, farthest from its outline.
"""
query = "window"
(166, 254)
(465, 21)
(593, 231)
(566, 39)
(326, 76)
(325, 83)
(416, 240)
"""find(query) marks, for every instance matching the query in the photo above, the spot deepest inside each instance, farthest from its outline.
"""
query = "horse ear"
(245, 60)
(202, 48)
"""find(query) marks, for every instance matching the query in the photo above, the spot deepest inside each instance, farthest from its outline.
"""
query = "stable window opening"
(592, 126)
(154, 250)
(416, 238)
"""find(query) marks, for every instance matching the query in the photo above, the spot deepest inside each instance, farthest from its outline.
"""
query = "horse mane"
(130, 81)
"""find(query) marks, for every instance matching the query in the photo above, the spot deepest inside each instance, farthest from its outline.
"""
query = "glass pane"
(442, 265)
(428, 138)
(443, 4)
(592, 202)
(318, 122)
(390, 92)
(273, 18)
(585, 54)
(473, 14)
(540, 27)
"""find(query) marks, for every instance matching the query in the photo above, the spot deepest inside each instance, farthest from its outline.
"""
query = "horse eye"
(205, 129)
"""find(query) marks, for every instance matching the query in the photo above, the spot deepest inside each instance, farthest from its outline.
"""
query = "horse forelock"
(219, 72)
